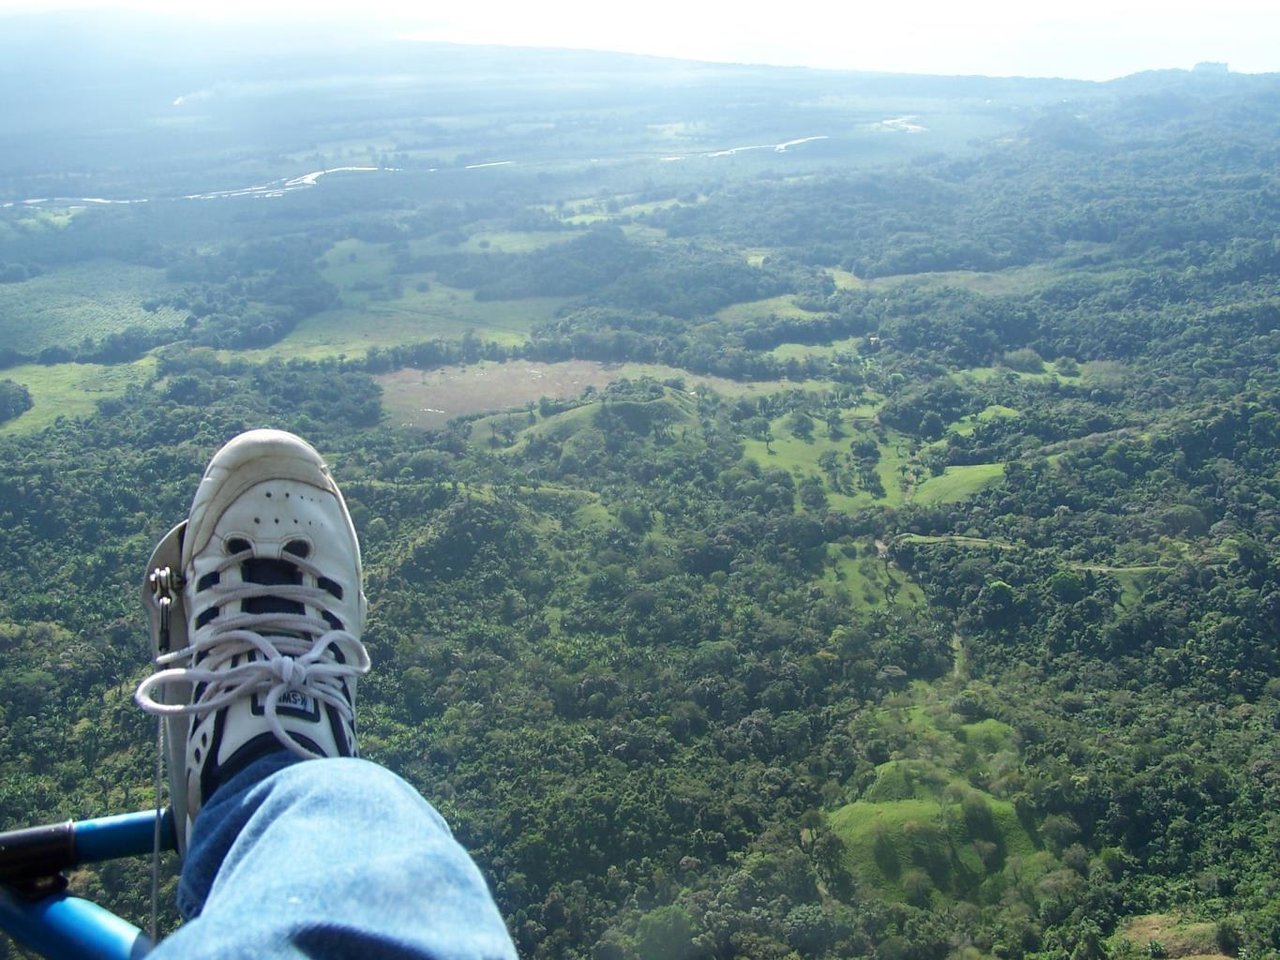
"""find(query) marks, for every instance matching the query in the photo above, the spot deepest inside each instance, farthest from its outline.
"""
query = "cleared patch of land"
(995, 283)
(357, 268)
(429, 399)
(938, 825)
(917, 848)
(514, 241)
(844, 279)
(956, 483)
(805, 351)
(965, 426)
(1178, 937)
(753, 310)
(985, 374)
(800, 457)
(71, 389)
(867, 580)
(956, 540)
(1014, 280)
(439, 312)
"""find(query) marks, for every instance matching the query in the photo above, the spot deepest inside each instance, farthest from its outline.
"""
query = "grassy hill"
(927, 827)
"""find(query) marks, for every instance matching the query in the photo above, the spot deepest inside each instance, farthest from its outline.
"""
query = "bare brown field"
(429, 399)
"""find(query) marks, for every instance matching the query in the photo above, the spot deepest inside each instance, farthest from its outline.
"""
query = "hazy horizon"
(1089, 40)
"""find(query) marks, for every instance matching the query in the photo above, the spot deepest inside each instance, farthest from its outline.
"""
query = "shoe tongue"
(270, 571)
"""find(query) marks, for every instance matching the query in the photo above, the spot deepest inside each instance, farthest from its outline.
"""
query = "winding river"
(278, 188)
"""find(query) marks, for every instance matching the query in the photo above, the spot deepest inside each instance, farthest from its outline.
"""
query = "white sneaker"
(257, 605)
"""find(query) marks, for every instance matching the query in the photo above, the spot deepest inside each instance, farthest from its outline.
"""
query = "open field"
(955, 540)
(895, 466)
(920, 847)
(985, 374)
(844, 279)
(1011, 281)
(431, 398)
(350, 263)
(964, 427)
(804, 351)
(1181, 938)
(783, 306)
(1014, 280)
(956, 483)
(799, 457)
(922, 830)
(514, 241)
(869, 581)
(935, 822)
(439, 312)
(71, 389)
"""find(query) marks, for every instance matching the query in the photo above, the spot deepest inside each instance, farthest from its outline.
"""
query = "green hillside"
(929, 829)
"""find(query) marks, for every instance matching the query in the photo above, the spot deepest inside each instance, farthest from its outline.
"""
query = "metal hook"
(163, 589)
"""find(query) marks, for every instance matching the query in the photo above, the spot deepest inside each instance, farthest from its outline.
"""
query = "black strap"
(36, 853)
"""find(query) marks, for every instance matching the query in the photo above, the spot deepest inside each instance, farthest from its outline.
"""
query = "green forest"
(866, 548)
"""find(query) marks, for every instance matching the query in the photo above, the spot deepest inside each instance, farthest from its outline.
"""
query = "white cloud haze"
(1086, 39)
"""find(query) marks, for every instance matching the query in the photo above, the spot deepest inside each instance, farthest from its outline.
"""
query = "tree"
(800, 424)
(15, 399)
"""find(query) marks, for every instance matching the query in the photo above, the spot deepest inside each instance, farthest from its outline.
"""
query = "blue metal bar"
(63, 927)
(123, 835)
(38, 852)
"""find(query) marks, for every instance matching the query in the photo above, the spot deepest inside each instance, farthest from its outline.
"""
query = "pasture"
(755, 310)
(869, 581)
(956, 483)
(439, 312)
(71, 389)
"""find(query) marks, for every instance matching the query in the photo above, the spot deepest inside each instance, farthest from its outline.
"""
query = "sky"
(1079, 39)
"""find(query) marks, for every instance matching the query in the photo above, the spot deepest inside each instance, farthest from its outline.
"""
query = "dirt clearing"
(429, 399)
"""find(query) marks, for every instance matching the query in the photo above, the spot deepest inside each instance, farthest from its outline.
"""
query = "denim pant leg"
(327, 859)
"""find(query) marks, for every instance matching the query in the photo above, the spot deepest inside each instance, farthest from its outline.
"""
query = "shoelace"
(292, 655)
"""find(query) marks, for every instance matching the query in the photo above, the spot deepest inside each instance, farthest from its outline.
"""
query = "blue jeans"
(328, 859)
